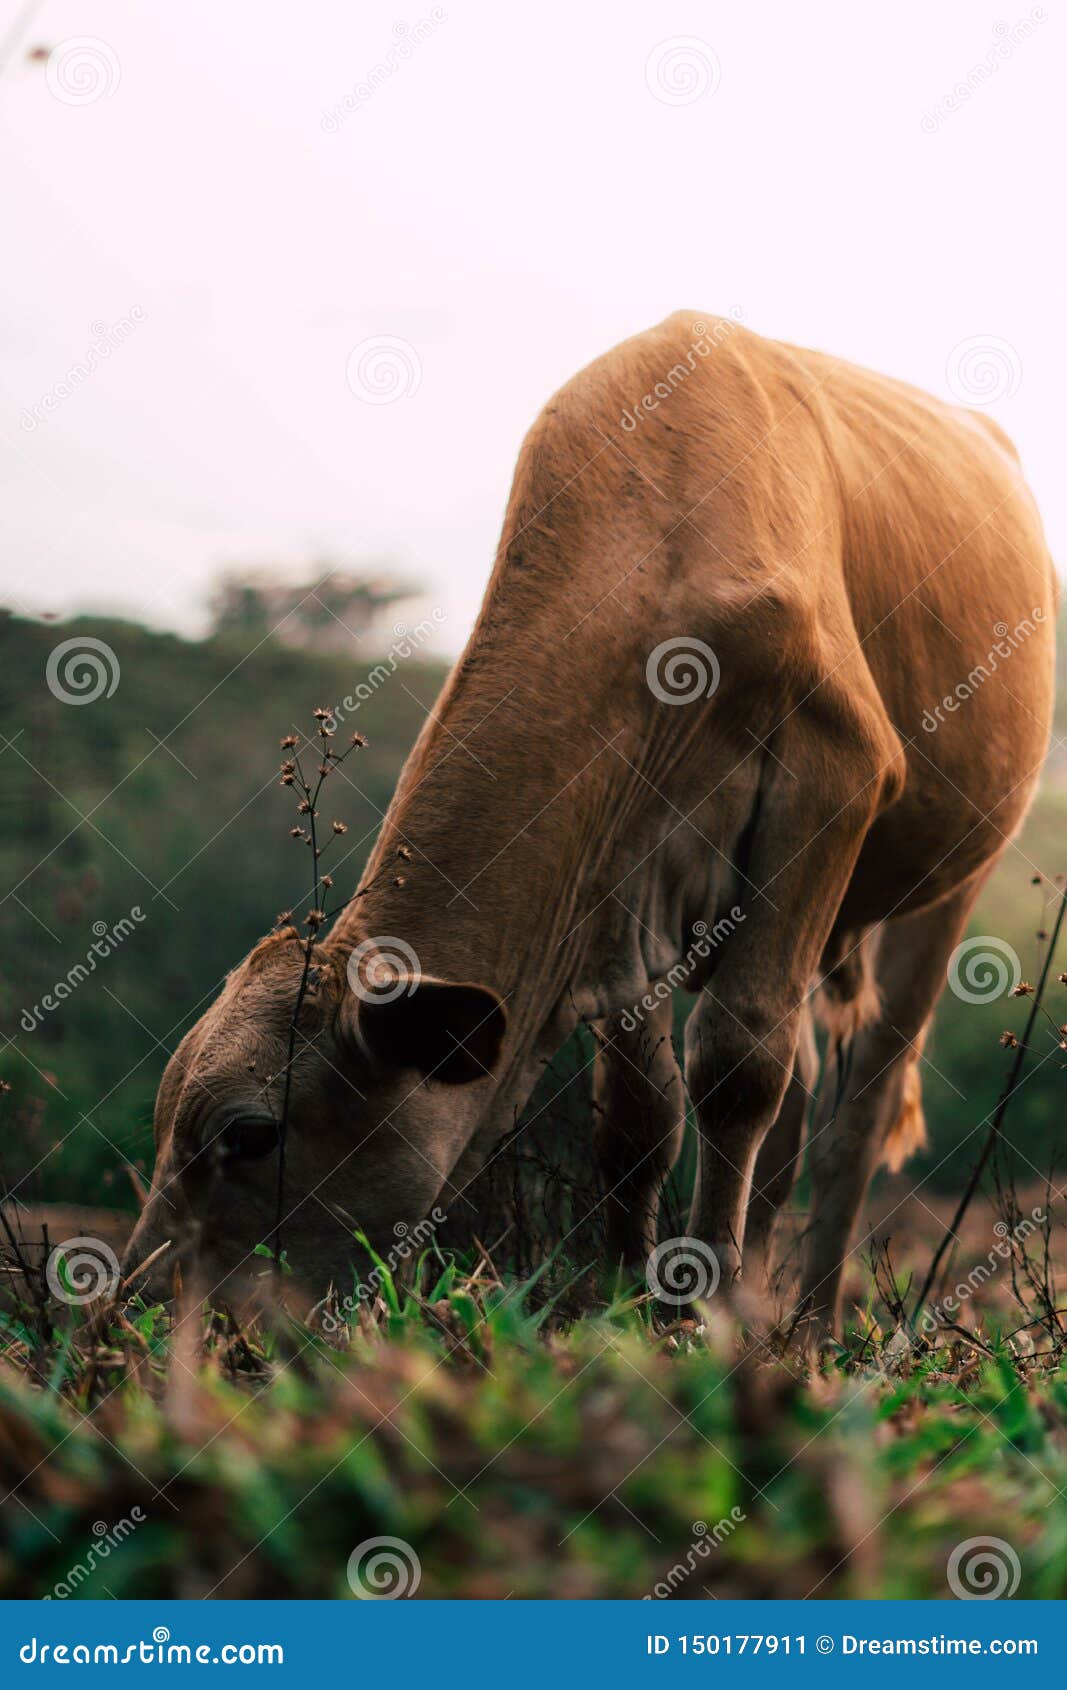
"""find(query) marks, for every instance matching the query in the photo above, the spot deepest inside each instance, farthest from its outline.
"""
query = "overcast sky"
(233, 200)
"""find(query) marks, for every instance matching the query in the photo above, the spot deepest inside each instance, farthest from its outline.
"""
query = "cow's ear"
(447, 1030)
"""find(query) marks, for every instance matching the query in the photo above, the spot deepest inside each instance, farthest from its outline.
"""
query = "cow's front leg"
(820, 794)
(639, 1107)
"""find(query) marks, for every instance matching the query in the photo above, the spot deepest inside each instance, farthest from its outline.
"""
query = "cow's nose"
(150, 1257)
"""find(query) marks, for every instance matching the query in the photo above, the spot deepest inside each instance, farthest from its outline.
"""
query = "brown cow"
(737, 584)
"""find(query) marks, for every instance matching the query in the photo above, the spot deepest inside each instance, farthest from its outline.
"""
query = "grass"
(513, 1453)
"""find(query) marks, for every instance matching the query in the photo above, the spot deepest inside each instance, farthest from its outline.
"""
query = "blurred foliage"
(329, 611)
(162, 797)
(516, 1455)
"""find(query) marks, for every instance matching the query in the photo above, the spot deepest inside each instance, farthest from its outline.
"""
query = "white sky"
(511, 202)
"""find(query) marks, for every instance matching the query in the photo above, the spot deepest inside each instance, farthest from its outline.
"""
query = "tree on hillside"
(327, 609)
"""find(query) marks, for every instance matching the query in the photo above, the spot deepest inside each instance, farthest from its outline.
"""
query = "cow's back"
(898, 530)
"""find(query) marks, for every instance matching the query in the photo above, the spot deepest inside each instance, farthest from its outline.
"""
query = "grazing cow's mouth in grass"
(258, 1149)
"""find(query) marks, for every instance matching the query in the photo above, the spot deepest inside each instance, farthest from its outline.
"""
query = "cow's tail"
(847, 1001)
(908, 1132)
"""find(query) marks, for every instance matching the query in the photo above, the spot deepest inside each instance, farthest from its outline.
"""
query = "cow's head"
(387, 1072)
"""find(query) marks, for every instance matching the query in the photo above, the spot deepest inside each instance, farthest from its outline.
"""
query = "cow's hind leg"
(639, 1104)
(779, 1156)
(873, 1107)
(820, 792)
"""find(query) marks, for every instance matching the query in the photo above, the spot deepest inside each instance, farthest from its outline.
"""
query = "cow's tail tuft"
(908, 1132)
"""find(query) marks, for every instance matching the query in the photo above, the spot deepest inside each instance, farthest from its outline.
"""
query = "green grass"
(516, 1456)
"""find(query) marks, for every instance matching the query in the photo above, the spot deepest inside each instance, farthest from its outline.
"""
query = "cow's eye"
(247, 1138)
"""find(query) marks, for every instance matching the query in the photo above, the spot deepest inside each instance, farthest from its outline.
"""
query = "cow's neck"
(479, 865)
(487, 857)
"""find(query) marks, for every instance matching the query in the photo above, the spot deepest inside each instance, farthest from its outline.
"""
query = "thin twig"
(1014, 1077)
